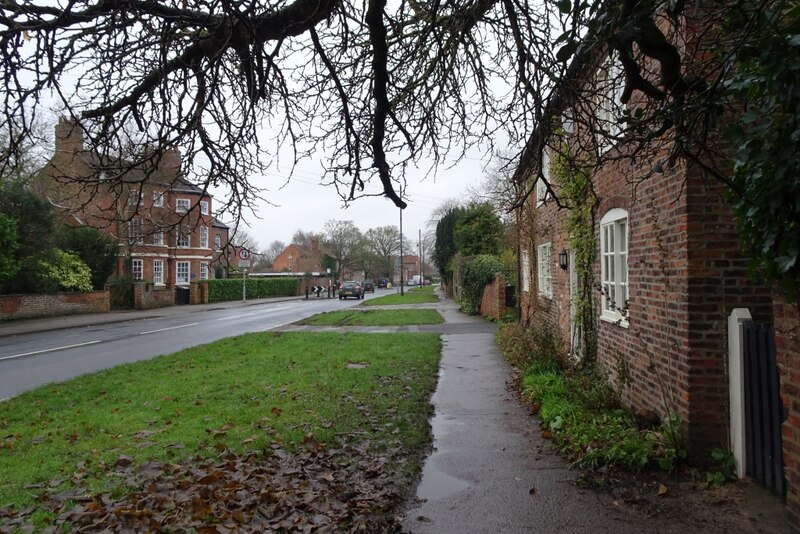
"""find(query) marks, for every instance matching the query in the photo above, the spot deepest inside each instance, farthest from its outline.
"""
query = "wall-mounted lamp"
(563, 259)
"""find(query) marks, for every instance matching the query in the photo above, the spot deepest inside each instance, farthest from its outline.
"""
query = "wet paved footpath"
(490, 470)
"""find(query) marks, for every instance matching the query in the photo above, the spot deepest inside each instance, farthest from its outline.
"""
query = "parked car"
(382, 283)
(368, 285)
(351, 288)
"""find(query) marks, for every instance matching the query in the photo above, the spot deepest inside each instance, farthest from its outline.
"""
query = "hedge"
(226, 289)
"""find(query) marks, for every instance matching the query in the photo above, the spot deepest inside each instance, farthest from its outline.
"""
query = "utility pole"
(421, 261)
(401, 252)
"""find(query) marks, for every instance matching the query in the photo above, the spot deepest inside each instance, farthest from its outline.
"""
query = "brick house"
(652, 304)
(410, 268)
(162, 222)
(298, 259)
(222, 251)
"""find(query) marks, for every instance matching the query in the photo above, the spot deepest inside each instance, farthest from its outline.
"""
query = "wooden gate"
(764, 412)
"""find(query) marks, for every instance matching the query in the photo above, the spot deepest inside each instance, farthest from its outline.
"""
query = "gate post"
(736, 386)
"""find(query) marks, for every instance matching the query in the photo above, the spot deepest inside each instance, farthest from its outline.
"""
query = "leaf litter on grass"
(315, 489)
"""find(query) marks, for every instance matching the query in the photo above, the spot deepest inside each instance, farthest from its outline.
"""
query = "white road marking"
(170, 328)
(234, 317)
(49, 350)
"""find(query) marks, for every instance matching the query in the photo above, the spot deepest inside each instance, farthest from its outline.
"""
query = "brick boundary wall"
(787, 343)
(147, 296)
(493, 302)
(48, 305)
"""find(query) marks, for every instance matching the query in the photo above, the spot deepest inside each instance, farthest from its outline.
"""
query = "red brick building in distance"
(162, 222)
(666, 275)
(297, 259)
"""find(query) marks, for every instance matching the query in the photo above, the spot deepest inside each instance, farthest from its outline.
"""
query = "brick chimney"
(170, 163)
(69, 137)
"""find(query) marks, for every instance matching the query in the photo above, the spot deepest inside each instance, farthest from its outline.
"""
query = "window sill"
(615, 319)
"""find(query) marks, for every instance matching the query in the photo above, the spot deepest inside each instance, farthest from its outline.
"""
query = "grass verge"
(410, 297)
(246, 393)
(356, 317)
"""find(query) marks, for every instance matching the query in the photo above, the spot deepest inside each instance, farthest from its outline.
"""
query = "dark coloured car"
(351, 289)
(382, 283)
(368, 286)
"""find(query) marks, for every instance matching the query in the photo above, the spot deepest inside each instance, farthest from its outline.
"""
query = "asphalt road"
(31, 360)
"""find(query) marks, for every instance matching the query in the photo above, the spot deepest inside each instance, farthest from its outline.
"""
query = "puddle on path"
(434, 483)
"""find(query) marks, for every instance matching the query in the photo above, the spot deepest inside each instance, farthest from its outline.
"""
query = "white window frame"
(610, 86)
(158, 237)
(182, 268)
(182, 205)
(204, 207)
(203, 271)
(158, 199)
(179, 239)
(544, 261)
(542, 193)
(158, 272)
(614, 266)
(526, 271)
(218, 242)
(135, 197)
(137, 269)
(204, 237)
(136, 231)
(567, 124)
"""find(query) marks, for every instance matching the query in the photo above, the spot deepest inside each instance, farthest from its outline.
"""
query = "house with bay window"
(162, 222)
(633, 256)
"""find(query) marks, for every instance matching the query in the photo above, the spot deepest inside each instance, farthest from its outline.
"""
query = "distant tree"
(384, 244)
(241, 238)
(478, 230)
(342, 242)
(271, 252)
(327, 262)
(9, 263)
(97, 250)
(498, 187)
(33, 215)
(34, 222)
(305, 239)
(446, 247)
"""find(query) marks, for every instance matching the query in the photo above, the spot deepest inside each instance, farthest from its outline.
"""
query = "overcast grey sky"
(305, 204)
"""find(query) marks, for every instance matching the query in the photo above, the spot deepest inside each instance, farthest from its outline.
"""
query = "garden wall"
(52, 304)
(493, 303)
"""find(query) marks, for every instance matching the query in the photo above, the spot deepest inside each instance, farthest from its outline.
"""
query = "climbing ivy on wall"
(577, 194)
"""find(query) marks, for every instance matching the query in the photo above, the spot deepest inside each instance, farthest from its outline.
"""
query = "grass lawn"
(412, 296)
(422, 289)
(356, 317)
(245, 393)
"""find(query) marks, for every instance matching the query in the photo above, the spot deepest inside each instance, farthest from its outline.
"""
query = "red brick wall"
(718, 282)
(30, 306)
(685, 273)
(787, 343)
(147, 296)
(493, 302)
